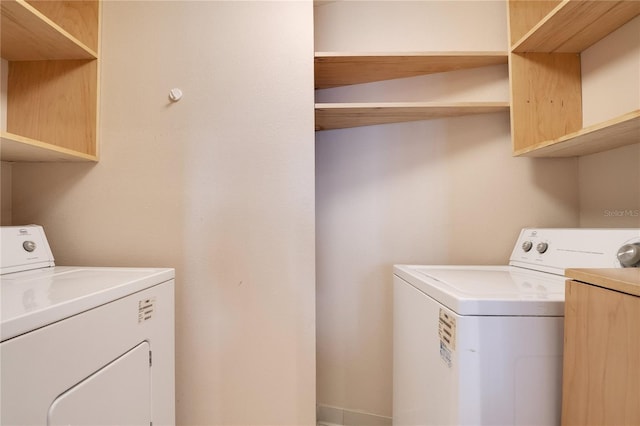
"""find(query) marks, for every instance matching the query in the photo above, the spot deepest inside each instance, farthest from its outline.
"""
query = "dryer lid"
(489, 290)
(36, 298)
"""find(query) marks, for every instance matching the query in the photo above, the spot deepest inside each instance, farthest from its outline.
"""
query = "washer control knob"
(542, 247)
(29, 246)
(526, 246)
(629, 255)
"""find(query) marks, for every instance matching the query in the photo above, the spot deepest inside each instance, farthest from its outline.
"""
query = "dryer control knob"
(526, 246)
(629, 255)
(29, 246)
(542, 247)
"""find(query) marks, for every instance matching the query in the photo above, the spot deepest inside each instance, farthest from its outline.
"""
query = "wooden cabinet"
(341, 69)
(601, 372)
(546, 39)
(52, 85)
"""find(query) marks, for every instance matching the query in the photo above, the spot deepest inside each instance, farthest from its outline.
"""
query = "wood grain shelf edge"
(19, 148)
(336, 69)
(617, 132)
(330, 116)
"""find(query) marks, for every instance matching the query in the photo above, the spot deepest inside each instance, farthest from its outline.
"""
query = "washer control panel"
(629, 255)
(556, 249)
(542, 247)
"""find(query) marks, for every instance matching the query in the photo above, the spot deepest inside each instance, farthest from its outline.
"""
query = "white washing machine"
(83, 345)
(482, 345)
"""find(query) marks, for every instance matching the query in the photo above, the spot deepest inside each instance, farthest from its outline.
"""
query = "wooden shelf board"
(335, 69)
(345, 115)
(614, 133)
(26, 35)
(574, 25)
(18, 148)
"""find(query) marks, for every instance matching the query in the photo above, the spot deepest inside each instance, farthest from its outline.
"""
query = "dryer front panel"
(117, 394)
(102, 352)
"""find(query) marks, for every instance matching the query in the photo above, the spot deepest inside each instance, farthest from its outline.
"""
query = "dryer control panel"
(24, 248)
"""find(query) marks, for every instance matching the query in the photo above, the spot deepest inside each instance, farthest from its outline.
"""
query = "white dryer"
(482, 345)
(83, 345)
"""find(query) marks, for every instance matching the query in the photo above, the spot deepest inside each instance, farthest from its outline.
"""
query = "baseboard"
(335, 416)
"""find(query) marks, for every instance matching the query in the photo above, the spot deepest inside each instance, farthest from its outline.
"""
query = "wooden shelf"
(614, 133)
(27, 35)
(574, 25)
(545, 76)
(335, 69)
(18, 148)
(345, 115)
(52, 79)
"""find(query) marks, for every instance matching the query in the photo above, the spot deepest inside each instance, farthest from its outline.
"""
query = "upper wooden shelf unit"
(336, 69)
(51, 47)
(545, 78)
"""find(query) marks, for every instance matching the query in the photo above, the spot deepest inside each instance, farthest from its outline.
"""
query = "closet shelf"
(28, 35)
(614, 133)
(344, 115)
(574, 25)
(547, 38)
(19, 148)
(335, 69)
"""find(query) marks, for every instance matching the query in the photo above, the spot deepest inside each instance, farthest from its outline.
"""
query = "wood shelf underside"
(573, 25)
(345, 115)
(27, 35)
(18, 148)
(611, 134)
(333, 69)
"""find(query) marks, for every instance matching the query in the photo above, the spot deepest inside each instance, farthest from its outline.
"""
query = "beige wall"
(610, 189)
(218, 185)
(441, 191)
(610, 181)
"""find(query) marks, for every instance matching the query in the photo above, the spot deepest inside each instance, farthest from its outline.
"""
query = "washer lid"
(33, 299)
(489, 290)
